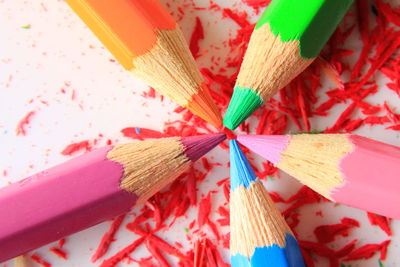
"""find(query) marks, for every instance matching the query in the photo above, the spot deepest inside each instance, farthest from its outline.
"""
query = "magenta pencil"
(345, 168)
(90, 189)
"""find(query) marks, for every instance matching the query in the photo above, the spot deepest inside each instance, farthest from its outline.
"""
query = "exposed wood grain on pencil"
(156, 164)
(270, 64)
(314, 159)
(169, 67)
(266, 226)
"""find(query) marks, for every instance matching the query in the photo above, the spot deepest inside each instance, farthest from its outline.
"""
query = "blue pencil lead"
(241, 171)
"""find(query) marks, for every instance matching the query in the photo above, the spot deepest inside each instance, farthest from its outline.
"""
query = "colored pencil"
(148, 42)
(92, 188)
(344, 168)
(286, 40)
(260, 235)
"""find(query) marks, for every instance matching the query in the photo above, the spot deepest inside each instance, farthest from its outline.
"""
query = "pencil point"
(243, 103)
(267, 146)
(203, 106)
(197, 146)
(241, 171)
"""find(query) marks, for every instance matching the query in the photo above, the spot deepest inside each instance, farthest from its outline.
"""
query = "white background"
(59, 52)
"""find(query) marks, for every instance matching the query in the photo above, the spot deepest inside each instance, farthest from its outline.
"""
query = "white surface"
(58, 51)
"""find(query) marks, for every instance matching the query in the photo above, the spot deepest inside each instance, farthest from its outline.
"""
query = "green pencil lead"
(26, 27)
(243, 103)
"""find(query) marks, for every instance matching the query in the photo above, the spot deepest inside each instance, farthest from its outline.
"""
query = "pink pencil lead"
(267, 146)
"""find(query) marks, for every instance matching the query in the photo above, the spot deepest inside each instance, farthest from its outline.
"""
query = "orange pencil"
(148, 42)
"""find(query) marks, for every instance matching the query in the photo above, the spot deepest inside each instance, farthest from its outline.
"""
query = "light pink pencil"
(91, 189)
(345, 168)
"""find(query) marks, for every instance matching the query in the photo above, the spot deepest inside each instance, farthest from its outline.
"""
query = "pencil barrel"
(61, 201)
(370, 172)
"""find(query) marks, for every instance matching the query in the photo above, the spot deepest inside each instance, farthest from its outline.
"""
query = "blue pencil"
(260, 235)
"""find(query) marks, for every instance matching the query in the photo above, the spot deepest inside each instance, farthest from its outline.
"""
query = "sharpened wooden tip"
(260, 235)
(268, 66)
(20, 261)
(152, 164)
(171, 69)
(314, 160)
(255, 221)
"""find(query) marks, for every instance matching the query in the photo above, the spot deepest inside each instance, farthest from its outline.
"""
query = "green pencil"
(286, 40)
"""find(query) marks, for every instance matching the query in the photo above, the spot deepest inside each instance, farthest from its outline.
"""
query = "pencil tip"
(241, 171)
(197, 146)
(267, 146)
(203, 106)
(243, 103)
